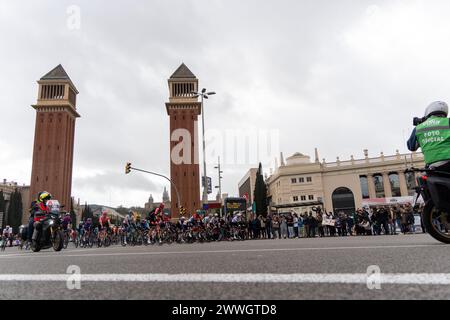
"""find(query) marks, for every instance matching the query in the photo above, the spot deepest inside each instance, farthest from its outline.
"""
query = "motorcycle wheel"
(35, 247)
(58, 241)
(431, 216)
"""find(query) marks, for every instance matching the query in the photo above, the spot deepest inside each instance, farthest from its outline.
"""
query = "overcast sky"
(341, 76)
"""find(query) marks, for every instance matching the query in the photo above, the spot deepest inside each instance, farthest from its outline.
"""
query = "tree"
(14, 216)
(73, 216)
(87, 212)
(2, 208)
(260, 193)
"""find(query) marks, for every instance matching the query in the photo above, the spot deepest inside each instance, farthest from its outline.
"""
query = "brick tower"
(54, 136)
(183, 110)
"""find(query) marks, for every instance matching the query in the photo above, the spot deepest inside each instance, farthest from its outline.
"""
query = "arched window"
(411, 183)
(379, 186)
(364, 187)
(343, 200)
(394, 180)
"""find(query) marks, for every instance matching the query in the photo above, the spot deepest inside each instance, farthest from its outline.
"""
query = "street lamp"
(220, 185)
(204, 95)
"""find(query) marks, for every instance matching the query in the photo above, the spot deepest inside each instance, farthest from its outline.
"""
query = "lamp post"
(220, 184)
(204, 95)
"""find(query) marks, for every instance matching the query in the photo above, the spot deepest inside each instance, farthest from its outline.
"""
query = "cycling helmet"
(44, 196)
(436, 108)
(104, 213)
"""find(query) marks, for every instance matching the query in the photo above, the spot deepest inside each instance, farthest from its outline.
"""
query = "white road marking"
(65, 255)
(314, 278)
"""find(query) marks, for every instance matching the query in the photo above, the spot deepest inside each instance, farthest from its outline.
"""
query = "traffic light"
(128, 168)
(182, 210)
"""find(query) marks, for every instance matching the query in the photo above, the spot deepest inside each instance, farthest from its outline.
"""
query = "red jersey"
(40, 210)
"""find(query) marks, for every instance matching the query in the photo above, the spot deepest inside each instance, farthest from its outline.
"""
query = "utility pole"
(220, 183)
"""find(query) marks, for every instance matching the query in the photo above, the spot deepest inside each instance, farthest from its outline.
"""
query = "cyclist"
(105, 223)
(87, 227)
(7, 234)
(66, 222)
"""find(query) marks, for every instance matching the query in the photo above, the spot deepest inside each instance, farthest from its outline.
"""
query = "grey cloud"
(274, 64)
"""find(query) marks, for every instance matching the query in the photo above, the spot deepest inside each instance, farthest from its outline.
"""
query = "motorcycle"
(434, 187)
(48, 233)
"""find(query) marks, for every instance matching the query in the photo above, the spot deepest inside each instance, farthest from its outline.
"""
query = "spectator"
(312, 226)
(295, 225)
(276, 227)
(404, 220)
(320, 224)
(269, 226)
(283, 227)
(350, 224)
(411, 219)
(332, 228)
(290, 225)
(301, 226)
(307, 223)
(262, 223)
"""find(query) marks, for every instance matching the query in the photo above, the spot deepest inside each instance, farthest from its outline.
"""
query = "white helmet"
(436, 108)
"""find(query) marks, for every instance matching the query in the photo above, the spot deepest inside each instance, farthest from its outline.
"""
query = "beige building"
(8, 188)
(247, 185)
(300, 184)
(151, 204)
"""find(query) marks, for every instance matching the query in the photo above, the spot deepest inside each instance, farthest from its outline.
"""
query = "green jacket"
(433, 137)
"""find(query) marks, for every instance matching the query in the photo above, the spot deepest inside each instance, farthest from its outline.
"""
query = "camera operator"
(432, 134)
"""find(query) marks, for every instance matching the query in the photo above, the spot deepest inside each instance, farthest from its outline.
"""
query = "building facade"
(247, 185)
(151, 204)
(8, 188)
(301, 184)
(56, 113)
(183, 109)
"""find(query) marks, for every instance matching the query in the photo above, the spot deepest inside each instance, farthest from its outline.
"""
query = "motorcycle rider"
(38, 211)
(433, 137)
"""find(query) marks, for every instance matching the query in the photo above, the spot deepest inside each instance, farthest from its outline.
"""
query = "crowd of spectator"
(387, 220)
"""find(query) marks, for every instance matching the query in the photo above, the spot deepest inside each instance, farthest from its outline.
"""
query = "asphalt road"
(411, 266)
